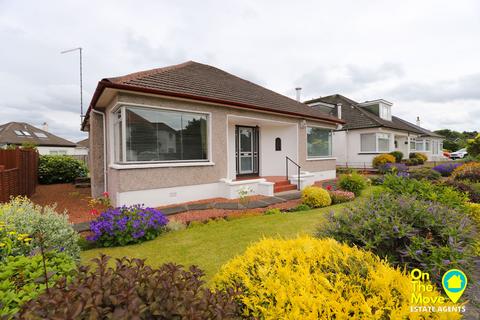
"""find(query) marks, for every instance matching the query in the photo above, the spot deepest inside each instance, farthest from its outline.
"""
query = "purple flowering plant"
(396, 168)
(446, 169)
(127, 225)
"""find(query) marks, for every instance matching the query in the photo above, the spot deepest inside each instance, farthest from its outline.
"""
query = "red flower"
(329, 188)
(94, 212)
(105, 194)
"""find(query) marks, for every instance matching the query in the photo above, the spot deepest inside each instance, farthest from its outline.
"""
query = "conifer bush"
(316, 197)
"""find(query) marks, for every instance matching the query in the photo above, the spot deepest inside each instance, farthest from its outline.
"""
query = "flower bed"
(127, 225)
(446, 169)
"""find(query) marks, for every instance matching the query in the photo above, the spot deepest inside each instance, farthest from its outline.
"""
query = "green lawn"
(211, 245)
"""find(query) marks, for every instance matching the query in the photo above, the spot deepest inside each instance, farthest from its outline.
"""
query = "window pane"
(368, 143)
(159, 135)
(194, 137)
(319, 142)
(117, 130)
(383, 144)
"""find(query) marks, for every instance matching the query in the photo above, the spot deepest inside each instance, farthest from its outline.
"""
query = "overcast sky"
(422, 55)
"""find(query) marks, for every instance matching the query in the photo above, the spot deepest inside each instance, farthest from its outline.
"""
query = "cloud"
(463, 88)
(347, 78)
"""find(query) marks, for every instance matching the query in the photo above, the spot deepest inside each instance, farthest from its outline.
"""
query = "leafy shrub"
(301, 207)
(22, 278)
(393, 168)
(398, 156)
(468, 171)
(60, 169)
(425, 190)
(341, 170)
(472, 190)
(376, 180)
(126, 225)
(175, 225)
(307, 278)
(13, 243)
(24, 217)
(446, 169)
(420, 157)
(473, 146)
(133, 290)
(425, 174)
(272, 211)
(315, 197)
(353, 182)
(412, 162)
(382, 159)
(474, 212)
(420, 234)
(340, 196)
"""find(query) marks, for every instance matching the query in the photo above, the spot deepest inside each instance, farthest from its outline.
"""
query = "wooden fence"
(18, 173)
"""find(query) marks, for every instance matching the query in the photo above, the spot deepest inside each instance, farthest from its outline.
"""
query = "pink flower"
(329, 188)
(105, 194)
(94, 212)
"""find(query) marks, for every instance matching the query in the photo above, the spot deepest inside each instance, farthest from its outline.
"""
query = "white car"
(460, 154)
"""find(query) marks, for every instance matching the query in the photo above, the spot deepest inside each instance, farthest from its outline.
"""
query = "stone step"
(283, 188)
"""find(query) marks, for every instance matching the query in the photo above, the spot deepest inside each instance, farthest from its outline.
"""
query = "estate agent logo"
(424, 297)
(454, 283)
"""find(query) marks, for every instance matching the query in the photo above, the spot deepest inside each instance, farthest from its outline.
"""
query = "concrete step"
(282, 183)
(283, 188)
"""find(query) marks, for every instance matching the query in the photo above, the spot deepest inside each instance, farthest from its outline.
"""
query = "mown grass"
(212, 244)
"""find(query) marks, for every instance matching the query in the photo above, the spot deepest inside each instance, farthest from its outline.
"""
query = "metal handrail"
(298, 170)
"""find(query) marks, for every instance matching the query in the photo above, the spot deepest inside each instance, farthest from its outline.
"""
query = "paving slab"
(289, 196)
(200, 206)
(82, 226)
(229, 206)
(273, 200)
(257, 204)
(173, 210)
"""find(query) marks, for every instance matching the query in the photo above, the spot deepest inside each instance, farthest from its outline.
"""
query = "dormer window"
(381, 108)
(386, 112)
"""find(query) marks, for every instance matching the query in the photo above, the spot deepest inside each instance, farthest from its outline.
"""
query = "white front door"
(245, 150)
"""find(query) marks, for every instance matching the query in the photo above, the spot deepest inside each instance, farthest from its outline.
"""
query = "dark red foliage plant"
(133, 290)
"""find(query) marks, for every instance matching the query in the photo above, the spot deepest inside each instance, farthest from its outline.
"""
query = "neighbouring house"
(82, 147)
(371, 129)
(192, 131)
(18, 133)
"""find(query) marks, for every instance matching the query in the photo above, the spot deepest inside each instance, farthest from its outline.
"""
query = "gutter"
(104, 148)
(107, 84)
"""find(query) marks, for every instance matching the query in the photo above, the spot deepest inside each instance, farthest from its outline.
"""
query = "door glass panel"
(245, 140)
(246, 164)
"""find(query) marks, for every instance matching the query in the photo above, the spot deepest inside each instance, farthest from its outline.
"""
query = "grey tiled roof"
(44, 138)
(357, 117)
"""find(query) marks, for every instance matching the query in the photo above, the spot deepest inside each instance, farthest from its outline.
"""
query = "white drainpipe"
(104, 148)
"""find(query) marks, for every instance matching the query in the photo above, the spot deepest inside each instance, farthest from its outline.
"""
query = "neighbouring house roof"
(197, 81)
(18, 133)
(83, 143)
(357, 117)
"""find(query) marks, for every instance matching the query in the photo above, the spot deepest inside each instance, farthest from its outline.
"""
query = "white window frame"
(386, 112)
(377, 137)
(124, 164)
(330, 143)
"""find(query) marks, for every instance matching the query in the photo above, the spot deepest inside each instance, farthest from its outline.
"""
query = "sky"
(422, 55)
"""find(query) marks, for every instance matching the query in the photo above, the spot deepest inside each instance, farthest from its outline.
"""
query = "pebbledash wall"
(163, 184)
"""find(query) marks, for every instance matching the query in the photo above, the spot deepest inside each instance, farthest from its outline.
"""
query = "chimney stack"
(45, 126)
(339, 110)
(418, 121)
(298, 90)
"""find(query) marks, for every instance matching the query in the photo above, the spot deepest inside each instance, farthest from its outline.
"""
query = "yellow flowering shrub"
(307, 278)
(316, 197)
(382, 159)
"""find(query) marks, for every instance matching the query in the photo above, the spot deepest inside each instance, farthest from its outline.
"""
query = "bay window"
(375, 142)
(319, 142)
(420, 144)
(157, 135)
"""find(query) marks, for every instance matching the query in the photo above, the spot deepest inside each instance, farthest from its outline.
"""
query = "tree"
(473, 146)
